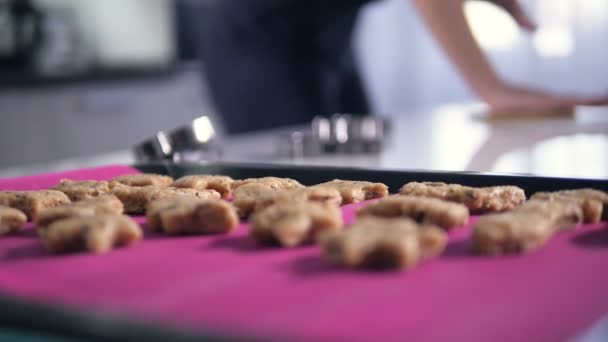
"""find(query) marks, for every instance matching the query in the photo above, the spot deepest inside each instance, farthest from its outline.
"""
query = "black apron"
(272, 63)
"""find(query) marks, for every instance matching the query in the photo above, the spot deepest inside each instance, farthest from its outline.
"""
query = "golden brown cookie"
(247, 196)
(308, 194)
(274, 183)
(33, 202)
(524, 229)
(292, 224)
(81, 190)
(221, 184)
(136, 199)
(478, 200)
(95, 234)
(142, 179)
(11, 198)
(356, 191)
(105, 204)
(11, 220)
(594, 203)
(445, 214)
(184, 215)
(374, 242)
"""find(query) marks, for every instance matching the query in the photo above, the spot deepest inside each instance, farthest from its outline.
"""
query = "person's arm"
(448, 24)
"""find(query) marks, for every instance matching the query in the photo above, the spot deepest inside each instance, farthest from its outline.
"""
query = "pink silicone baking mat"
(230, 285)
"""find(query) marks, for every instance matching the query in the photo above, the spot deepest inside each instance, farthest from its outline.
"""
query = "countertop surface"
(449, 138)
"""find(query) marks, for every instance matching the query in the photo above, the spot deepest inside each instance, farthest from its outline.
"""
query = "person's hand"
(509, 100)
(448, 24)
(514, 8)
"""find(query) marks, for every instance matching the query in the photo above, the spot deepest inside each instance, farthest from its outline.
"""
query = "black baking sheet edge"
(25, 318)
(310, 175)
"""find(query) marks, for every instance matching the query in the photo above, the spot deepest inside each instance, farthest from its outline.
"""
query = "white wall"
(404, 68)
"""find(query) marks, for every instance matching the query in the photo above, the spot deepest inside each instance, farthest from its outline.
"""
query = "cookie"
(33, 202)
(11, 220)
(105, 204)
(246, 196)
(356, 191)
(184, 215)
(524, 229)
(274, 183)
(142, 179)
(307, 194)
(82, 190)
(594, 203)
(136, 199)
(95, 234)
(221, 184)
(292, 224)
(11, 198)
(374, 242)
(478, 200)
(444, 214)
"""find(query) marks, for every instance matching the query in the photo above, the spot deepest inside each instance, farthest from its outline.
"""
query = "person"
(272, 63)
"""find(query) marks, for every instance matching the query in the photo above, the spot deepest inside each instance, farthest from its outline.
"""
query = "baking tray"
(310, 175)
(552, 294)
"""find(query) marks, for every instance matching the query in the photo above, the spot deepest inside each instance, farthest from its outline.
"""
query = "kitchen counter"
(453, 138)
(448, 138)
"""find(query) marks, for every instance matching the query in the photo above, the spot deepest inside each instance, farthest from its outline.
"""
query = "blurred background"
(84, 77)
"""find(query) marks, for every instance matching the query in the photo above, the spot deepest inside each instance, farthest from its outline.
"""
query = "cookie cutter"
(338, 134)
(194, 142)
(156, 148)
